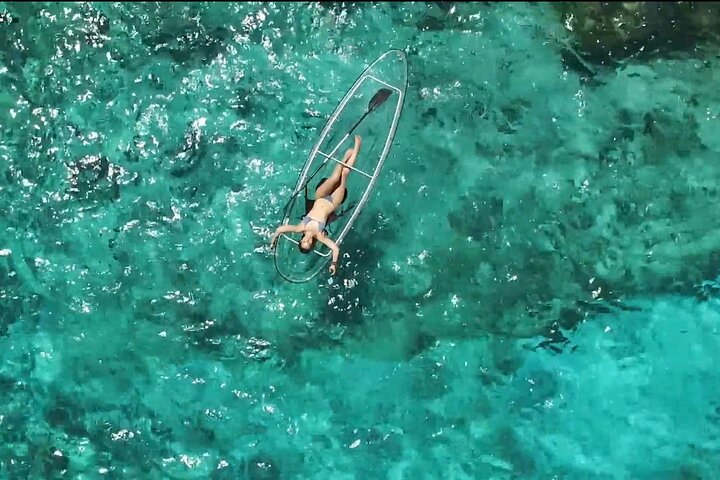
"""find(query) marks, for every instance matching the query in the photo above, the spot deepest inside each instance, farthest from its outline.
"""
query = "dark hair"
(306, 250)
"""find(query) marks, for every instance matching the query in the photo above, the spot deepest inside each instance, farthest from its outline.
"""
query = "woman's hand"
(274, 237)
(335, 252)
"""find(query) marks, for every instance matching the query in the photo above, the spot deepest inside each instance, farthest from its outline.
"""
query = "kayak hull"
(377, 126)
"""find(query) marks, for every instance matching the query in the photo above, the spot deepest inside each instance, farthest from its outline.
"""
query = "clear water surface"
(529, 293)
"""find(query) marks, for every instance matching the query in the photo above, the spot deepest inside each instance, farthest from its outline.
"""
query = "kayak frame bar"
(343, 163)
(298, 243)
(392, 87)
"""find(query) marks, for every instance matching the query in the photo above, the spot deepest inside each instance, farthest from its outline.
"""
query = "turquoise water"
(529, 293)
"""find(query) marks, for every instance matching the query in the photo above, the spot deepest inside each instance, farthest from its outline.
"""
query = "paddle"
(378, 99)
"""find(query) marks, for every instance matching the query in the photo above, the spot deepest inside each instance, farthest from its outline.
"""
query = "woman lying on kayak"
(330, 194)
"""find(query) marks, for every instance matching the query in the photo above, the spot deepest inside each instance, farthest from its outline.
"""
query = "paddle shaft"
(357, 123)
(347, 135)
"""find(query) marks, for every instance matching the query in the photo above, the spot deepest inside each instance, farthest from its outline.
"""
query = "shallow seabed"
(529, 293)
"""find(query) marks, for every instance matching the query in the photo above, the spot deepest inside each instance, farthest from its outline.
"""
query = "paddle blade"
(379, 98)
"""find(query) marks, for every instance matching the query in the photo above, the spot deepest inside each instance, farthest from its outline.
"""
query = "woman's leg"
(331, 183)
(338, 195)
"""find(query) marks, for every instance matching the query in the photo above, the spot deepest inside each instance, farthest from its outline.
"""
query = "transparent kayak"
(357, 114)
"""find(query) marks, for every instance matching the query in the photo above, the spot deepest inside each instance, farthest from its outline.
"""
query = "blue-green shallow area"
(529, 293)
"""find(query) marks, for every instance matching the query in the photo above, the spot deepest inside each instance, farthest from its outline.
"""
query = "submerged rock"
(613, 31)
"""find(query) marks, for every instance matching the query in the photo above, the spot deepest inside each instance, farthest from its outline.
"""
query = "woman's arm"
(336, 251)
(284, 229)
